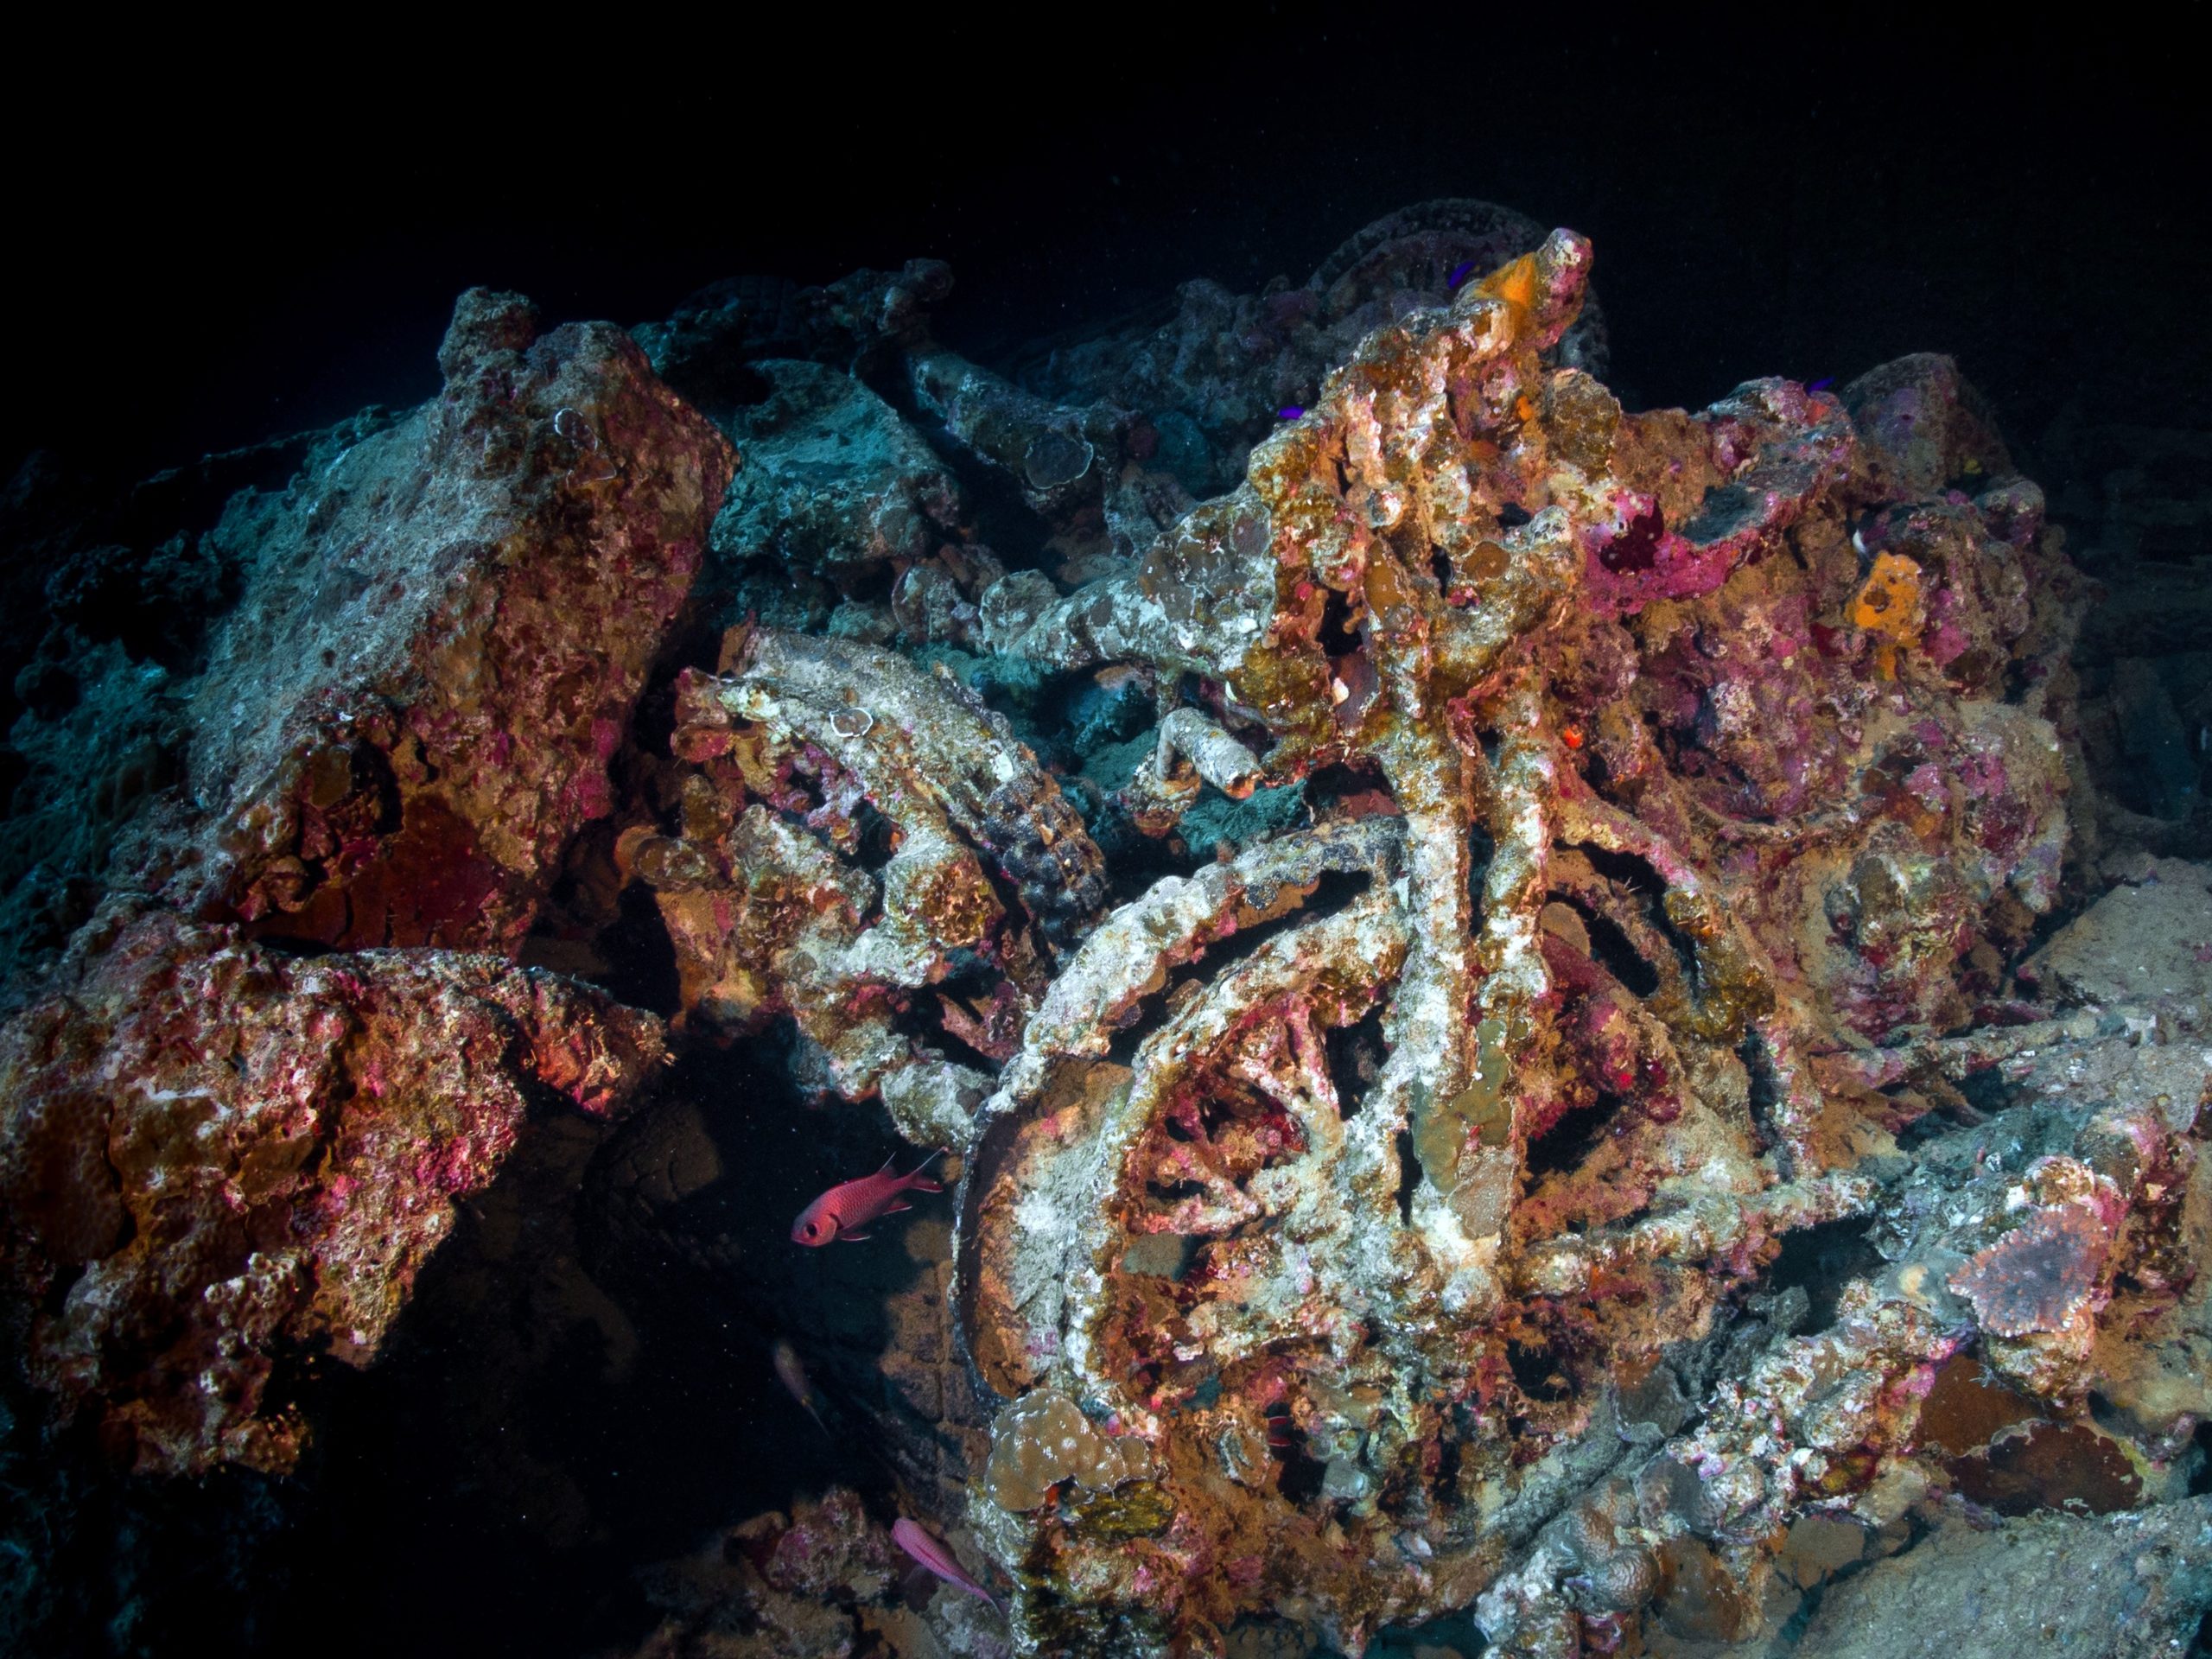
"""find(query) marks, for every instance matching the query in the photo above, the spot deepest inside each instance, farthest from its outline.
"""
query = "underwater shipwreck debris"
(767, 917)
(1470, 976)
(1445, 1158)
(1323, 1203)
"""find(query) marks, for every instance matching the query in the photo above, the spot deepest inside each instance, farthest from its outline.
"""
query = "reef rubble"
(1489, 964)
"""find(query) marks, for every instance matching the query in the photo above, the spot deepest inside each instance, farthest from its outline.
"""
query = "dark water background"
(1772, 192)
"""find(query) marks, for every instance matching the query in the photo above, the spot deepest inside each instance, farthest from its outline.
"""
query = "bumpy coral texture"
(491, 576)
(1044, 1438)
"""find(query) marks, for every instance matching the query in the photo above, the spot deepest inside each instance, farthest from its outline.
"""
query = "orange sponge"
(1889, 607)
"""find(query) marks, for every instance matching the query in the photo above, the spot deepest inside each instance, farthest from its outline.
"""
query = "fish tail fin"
(818, 1423)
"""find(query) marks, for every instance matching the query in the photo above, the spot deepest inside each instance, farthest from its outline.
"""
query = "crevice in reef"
(1355, 1054)
(1409, 1176)
(1762, 1088)
(1635, 879)
(1481, 848)
(640, 957)
(1299, 1476)
(923, 1018)
(2200, 1475)
(1822, 1261)
(1613, 950)
(1567, 1144)
(1338, 634)
(1539, 1372)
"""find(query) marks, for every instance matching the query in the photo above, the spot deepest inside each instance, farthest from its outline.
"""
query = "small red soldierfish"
(851, 1205)
(936, 1557)
(792, 1375)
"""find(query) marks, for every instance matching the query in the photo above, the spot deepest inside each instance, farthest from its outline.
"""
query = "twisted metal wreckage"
(1343, 1227)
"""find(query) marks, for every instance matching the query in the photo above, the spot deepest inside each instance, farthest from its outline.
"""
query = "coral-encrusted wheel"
(1160, 1240)
(1213, 1119)
(1266, 1322)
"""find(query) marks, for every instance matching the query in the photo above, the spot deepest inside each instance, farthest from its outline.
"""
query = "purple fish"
(1821, 384)
(1458, 275)
(936, 1557)
(1291, 411)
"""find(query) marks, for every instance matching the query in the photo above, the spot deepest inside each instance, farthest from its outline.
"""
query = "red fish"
(844, 1209)
(936, 1557)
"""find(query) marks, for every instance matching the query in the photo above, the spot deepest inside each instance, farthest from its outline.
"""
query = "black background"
(215, 254)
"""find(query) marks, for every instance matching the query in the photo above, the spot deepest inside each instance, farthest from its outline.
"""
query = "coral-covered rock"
(2147, 941)
(1931, 429)
(408, 666)
(441, 639)
(2040, 1275)
(220, 1159)
(1080, 468)
(215, 1159)
(133, 584)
